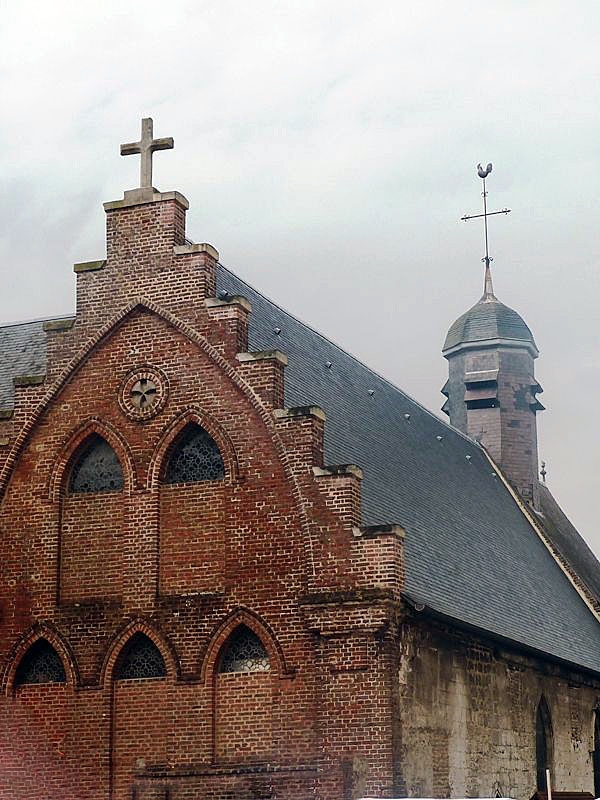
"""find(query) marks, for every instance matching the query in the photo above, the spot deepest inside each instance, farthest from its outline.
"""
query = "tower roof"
(489, 320)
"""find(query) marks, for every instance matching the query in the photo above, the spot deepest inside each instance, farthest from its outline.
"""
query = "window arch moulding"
(61, 471)
(40, 664)
(211, 660)
(27, 644)
(175, 429)
(95, 468)
(139, 659)
(243, 651)
(122, 638)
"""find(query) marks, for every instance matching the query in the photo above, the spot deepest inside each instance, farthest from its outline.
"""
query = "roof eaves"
(420, 606)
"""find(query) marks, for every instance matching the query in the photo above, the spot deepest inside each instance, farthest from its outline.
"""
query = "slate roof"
(567, 540)
(471, 555)
(22, 352)
(488, 319)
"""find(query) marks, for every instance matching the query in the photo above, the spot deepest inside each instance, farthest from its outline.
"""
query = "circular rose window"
(143, 393)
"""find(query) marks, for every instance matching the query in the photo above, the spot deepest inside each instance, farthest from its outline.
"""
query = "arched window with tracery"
(243, 699)
(193, 513)
(38, 732)
(194, 456)
(244, 652)
(543, 743)
(40, 664)
(96, 468)
(142, 710)
(91, 523)
(140, 658)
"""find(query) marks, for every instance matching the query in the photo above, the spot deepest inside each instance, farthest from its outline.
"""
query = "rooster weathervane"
(483, 172)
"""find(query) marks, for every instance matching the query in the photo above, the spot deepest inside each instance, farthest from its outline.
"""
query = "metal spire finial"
(488, 289)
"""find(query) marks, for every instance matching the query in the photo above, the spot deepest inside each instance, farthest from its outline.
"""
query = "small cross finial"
(145, 147)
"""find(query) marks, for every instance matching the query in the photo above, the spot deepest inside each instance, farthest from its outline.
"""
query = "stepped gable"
(471, 554)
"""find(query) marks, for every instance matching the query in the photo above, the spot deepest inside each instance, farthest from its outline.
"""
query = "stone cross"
(145, 147)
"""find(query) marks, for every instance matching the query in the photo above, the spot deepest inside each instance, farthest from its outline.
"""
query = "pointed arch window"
(543, 743)
(140, 658)
(96, 468)
(40, 664)
(244, 652)
(193, 457)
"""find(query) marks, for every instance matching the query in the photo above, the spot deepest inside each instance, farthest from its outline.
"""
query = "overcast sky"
(328, 150)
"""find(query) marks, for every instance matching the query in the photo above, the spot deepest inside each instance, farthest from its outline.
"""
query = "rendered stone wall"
(467, 712)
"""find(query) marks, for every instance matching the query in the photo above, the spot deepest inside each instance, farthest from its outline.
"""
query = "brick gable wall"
(271, 546)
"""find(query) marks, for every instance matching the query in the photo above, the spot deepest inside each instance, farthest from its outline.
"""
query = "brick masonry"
(362, 697)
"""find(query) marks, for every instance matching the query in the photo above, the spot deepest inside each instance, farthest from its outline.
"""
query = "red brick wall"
(91, 547)
(269, 546)
(142, 730)
(243, 716)
(192, 537)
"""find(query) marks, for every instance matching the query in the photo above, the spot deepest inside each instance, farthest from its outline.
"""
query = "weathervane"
(483, 172)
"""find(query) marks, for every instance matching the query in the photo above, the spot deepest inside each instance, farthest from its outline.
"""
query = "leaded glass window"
(96, 469)
(194, 457)
(244, 652)
(40, 664)
(140, 658)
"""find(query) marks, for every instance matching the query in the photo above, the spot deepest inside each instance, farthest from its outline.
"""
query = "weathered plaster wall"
(467, 710)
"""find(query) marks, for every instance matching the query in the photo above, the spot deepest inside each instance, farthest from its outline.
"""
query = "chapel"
(237, 563)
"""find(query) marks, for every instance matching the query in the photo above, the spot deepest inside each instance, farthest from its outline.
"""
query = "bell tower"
(491, 388)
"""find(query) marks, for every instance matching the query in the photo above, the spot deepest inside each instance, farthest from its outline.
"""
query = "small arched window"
(543, 743)
(96, 468)
(40, 664)
(244, 652)
(140, 658)
(194, 456)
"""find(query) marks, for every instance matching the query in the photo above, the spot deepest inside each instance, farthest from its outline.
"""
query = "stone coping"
(236, 299)
(89, 266)
(373, 531)
(264, 355)
(139, 197)
(300, 411)
(203, 247)
(64, 324)
(338, 470)
(29, 380)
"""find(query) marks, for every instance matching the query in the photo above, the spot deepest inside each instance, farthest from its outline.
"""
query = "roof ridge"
(33, 321)
(357, 360)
